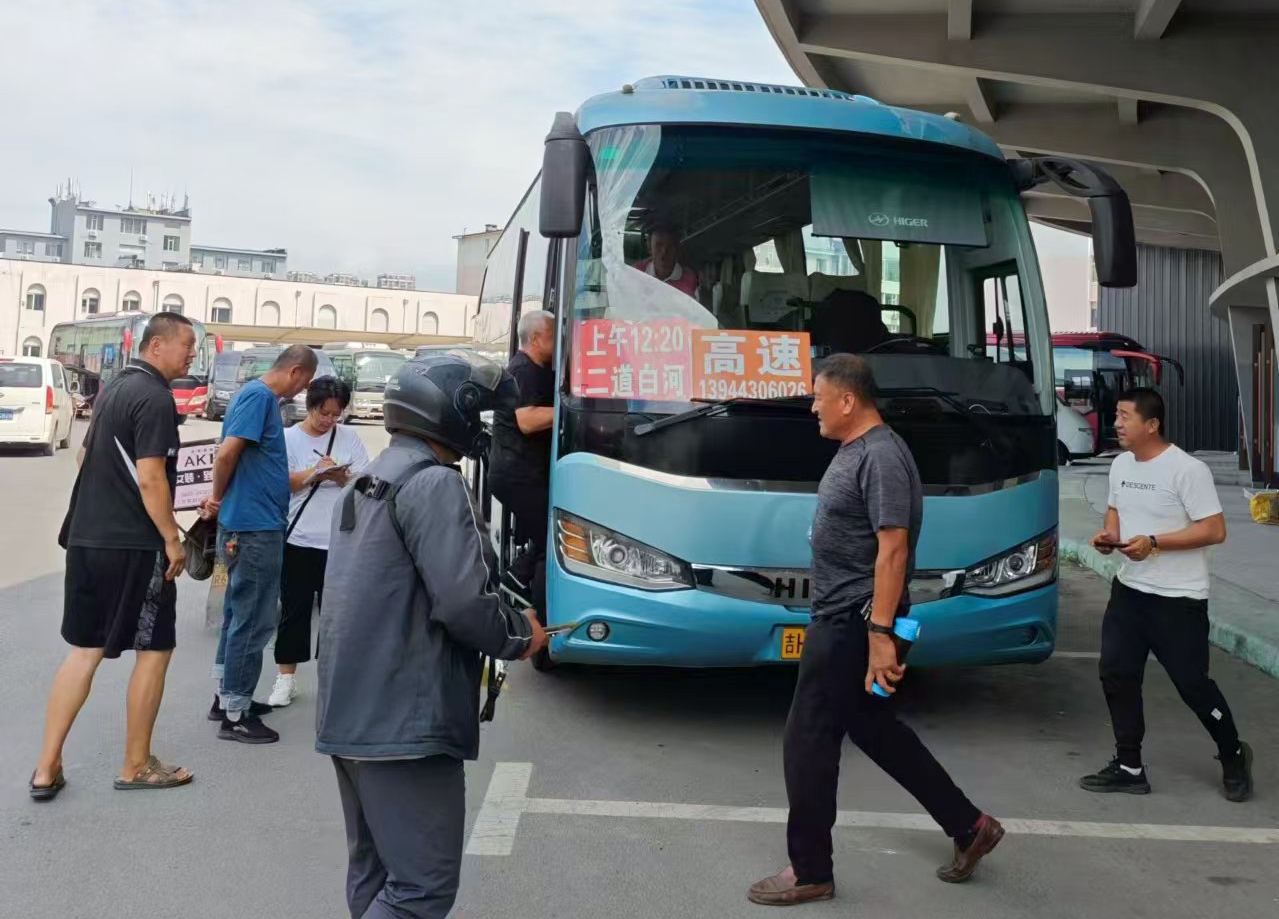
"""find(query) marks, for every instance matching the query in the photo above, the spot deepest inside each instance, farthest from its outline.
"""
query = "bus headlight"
(593, 551)
(1030, 565)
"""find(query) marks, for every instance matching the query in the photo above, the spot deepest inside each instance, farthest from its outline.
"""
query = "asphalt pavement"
(621, 793)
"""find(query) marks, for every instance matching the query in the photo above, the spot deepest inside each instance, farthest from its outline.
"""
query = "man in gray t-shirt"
(869, 510)
(871, 485)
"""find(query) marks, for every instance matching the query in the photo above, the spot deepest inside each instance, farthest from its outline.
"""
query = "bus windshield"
(374, 369)
(725, 263)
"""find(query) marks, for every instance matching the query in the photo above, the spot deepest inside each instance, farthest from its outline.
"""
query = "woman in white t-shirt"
(323, 456)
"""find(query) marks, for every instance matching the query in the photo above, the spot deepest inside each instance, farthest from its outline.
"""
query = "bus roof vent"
(734, 86)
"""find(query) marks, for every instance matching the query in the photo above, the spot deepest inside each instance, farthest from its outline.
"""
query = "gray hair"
(296, 356)
(530, 322)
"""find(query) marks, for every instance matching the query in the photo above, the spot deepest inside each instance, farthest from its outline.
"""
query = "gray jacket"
(405, 621)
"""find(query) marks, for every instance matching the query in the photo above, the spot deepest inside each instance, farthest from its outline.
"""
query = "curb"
(1249, 648)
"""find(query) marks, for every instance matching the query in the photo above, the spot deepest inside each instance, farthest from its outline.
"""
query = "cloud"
(361, 136)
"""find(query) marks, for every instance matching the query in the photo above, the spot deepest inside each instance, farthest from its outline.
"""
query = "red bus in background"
(96, 349)
(1093, 368)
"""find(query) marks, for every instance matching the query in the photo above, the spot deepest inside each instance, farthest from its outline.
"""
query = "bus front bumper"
(697, 629)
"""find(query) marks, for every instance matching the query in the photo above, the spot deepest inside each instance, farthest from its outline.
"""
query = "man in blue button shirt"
(251, 501)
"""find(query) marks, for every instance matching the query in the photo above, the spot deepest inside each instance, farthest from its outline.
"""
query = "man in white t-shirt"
(1163, 514)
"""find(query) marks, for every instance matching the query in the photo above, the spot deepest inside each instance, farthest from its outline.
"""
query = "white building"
(36, 296)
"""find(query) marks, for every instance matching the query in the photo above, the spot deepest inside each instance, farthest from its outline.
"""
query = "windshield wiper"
(947, 396)
(718, 406)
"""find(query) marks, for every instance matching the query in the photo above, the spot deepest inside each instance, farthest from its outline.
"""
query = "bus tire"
(1063, 455)
(65, 443)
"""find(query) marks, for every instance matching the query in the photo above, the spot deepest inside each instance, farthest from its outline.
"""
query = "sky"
(360, 135)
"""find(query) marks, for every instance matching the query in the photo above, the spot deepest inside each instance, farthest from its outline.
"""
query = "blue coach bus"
(702, 244)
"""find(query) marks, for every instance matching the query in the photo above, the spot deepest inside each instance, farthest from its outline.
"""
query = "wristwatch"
(1154, 545)
(876, 627)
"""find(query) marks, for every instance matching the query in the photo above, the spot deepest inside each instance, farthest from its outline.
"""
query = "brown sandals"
(155, 775)
(47, 792)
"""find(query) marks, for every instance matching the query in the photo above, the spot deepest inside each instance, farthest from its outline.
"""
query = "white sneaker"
(285, 690)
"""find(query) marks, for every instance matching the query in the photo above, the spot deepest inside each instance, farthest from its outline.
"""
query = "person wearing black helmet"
(409, 608)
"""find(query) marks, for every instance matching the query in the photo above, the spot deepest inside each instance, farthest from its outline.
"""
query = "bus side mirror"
(565, 164)
(1114, 241)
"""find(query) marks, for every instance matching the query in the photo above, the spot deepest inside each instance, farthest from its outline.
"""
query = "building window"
(92, 250)
(172, 243)
(244, 264)
(328, 318)
(221, 311)
(31, 347)
(172, 304)
(89, 301)
(53, 250)
(93, 222)
(219, 261)
(381, 321)
(133, 226)
(269, 313)
(268, 266)
(26, 246)
(35, 298)
(132, 301)
(430, 324)
(197, 261)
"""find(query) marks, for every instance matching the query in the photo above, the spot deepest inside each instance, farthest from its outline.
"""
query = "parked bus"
(685, 458)
(97, 349)
(367, 371)
(1093, 368)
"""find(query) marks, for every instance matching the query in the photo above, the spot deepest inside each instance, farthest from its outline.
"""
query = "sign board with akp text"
(195, 474)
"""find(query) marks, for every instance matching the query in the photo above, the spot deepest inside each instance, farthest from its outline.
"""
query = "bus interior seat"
(848, 322)
(821, 286)
(765, 296)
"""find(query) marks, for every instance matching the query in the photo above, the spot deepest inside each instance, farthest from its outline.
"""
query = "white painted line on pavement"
(1080, 655)
(499, 816)
(494, 832)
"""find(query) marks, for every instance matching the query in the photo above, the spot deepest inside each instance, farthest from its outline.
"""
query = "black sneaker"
(1236, 774)
(1115, 778)
(255, 708)
(249, 729)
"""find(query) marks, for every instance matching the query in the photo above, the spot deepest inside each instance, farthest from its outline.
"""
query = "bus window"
(1005, 317)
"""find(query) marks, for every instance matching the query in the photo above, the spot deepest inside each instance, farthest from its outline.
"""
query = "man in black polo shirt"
(520, 465)
(124, 551)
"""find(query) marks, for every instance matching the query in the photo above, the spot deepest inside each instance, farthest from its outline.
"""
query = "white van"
(35, 407)
(1075, 436)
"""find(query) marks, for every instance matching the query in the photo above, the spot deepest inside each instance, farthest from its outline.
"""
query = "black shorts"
(118, 600)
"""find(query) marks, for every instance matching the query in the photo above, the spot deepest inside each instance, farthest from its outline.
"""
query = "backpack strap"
(376, 489)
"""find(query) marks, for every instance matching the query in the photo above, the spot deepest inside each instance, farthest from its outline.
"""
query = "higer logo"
(879, 219)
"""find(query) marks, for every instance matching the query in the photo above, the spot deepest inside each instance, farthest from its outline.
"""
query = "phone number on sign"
(750, 389)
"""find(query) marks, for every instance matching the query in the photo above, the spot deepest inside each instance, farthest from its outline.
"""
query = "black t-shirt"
(870, 485)
(515, 456)
(134, 418)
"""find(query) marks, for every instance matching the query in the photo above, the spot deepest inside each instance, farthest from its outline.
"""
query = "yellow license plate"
(792, 643)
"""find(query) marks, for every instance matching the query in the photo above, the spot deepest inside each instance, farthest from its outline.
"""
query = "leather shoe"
(962, 866)
(782, 889)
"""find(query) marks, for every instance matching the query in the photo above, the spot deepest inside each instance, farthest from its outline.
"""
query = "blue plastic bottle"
(905, 634)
